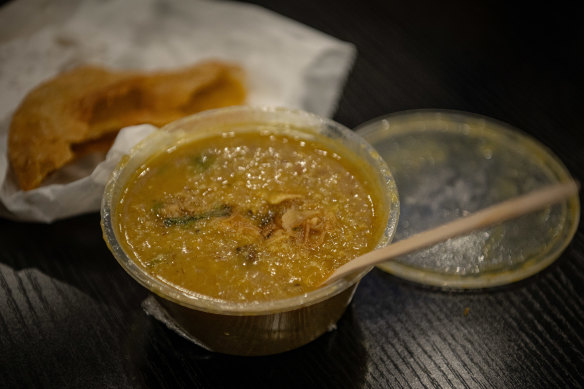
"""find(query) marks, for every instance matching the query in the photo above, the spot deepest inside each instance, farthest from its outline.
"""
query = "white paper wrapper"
(287, 64)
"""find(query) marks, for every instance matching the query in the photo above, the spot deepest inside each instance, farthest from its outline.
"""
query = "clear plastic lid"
(448, 164)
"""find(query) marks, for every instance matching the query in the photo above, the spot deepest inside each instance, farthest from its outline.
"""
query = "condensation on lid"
(448, 164)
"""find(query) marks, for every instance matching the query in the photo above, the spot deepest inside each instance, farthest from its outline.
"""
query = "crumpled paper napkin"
(287, 64)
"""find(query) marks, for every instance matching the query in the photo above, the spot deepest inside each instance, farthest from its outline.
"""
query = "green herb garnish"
(218, 211)
(157, 206)
(160, 258)
(203, 161)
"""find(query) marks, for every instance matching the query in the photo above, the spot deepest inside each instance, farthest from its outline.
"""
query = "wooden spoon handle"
(506, 210)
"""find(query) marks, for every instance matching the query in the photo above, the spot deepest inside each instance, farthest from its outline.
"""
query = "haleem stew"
(250, 216)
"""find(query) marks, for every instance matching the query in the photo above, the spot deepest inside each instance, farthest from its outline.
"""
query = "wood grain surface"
(70, 317)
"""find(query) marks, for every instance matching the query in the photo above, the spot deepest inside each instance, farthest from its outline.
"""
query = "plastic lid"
(447, 164)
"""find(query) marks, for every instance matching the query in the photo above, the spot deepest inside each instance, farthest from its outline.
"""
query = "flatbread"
(84, 108)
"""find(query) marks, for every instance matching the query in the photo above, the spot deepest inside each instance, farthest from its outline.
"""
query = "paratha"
(84, 108)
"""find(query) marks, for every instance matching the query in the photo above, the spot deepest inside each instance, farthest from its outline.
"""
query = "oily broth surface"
(250, 217)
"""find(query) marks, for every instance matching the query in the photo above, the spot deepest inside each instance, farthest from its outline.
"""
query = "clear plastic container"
(448, 164)
(255, 328)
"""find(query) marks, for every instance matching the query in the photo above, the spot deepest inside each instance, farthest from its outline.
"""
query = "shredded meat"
(242, 225)
(281, 220)
(277, 198)
(315, 223)
(278, 236)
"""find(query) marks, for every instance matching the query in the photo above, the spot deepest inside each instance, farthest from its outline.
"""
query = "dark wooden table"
(71, 317)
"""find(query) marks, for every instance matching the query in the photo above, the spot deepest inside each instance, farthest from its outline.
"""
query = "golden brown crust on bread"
(88, 103)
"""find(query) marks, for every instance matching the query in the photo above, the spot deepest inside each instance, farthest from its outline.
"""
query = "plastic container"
(255, 328)
(448, 164)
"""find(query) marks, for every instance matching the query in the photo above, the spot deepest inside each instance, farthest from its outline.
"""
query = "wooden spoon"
(506, 210)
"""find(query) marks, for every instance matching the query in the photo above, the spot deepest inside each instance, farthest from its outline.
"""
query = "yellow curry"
(250, 217)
